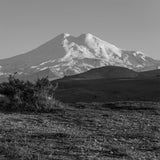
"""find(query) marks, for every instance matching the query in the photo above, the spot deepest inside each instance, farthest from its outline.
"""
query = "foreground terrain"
(93, 131)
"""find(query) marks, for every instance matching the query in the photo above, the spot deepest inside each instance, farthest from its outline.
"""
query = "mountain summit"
(69, 55)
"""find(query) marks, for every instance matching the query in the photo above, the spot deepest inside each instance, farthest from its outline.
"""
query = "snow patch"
(1, 73)
(101, 46)
(66, 35)
(53, 61)
(87, 66)
(34, 67)
(20, 73)
(45, 63)
(44, 68)
(94, 48)
(139, 66)
(140, 54)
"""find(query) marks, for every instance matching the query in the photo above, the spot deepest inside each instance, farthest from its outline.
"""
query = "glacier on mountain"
(68, 55)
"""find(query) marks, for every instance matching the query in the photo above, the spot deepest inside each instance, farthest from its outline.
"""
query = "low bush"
(28, 96)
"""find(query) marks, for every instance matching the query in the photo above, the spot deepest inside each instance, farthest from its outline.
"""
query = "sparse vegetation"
(28, 96)
(79, 131)
(83, 131)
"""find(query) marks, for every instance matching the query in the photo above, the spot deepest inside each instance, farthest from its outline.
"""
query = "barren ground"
(94, 131)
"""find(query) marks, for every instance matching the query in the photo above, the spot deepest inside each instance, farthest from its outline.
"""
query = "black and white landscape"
(79, 96)
(106, 103)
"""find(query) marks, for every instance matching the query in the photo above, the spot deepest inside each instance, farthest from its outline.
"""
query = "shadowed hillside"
(109, 72)
(110, 84)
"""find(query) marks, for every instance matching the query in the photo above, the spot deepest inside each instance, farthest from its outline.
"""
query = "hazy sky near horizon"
(128, 24)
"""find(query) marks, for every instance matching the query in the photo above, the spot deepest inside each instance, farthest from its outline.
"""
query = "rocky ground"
(94, 131)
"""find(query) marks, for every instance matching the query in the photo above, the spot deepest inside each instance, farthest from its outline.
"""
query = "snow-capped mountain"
(69, 55)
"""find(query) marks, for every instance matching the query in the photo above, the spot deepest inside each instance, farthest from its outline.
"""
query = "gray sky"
(128, 24)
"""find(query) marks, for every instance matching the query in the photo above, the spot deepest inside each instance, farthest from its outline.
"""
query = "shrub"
(28, 96)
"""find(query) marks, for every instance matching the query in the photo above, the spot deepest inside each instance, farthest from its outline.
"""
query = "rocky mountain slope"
(68, 55)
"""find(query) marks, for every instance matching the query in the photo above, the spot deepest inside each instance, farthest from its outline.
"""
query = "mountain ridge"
(70, 55)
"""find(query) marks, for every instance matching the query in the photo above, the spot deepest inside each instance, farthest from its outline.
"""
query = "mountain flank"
(67, 55)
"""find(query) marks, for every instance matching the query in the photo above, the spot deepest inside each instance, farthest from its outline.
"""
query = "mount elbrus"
(68, 55)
